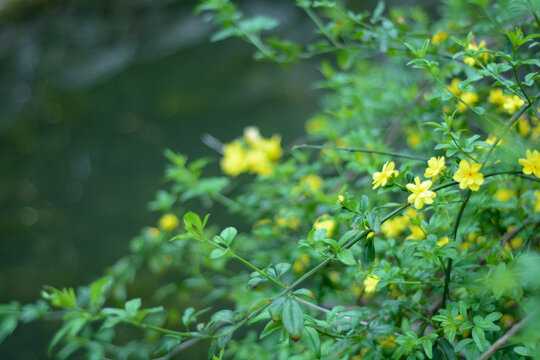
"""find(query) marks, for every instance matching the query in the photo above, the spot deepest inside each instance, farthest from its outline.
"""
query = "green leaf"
(368, 254)
(62, 298)
(282, 268)
(319, 234)
(447, 349)
(304, 292)
(462, 344)
(228, 234)
(346, 257)
(217, 253)
(97, 290)
(293, 319)
(258, 24)
(193, 223)
(523, 351)
(377, 12)
(132, 307)
(270, 327)
(311, 338)
(428, 348)
(276, 307)
(187, 318)
(479, 338)
(8, 324)
(348, 236)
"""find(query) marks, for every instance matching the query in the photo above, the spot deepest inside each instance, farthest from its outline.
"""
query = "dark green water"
(81, 144)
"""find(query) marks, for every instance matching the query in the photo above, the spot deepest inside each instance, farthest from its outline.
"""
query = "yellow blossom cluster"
(439, 37)
(253, 154)
(484, 56)
(506, 103)
(308, 185)
(469, 97)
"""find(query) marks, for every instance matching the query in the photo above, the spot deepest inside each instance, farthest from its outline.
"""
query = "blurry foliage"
(349, 255)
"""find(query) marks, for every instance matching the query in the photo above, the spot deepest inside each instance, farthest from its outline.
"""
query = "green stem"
(454, 235)
(461, 149)
(412, 157)
(253, 267)
(167, 331)
(510, 124)
(520, 86)
(320, 26)
(256, 41)
(500, 79)
(454, 95)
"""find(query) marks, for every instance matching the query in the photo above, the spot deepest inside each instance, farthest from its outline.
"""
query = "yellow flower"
(469, 176)
(233, 162)
(414, 139)
(341, 198)
(507, 321)
(388, 341)
(416, 232)
(301, 262)
(484, 56)
(316, 124)
(524, 126)
(272, 147)
(252, 135)
(491, 140)
(503, 194)
(469, 97)
(420, 193)
(453, 87)
(513, 103)
(334, 277)
(496, 97)
(370, 283)
(311, 181)
(438, 37)
(381, 178)
(324, 222)
(516, 242)
(168, 222)
(395, 226)
(442, 241)
(435, 167)
(531, 165)
(257, 162)
(537, 202)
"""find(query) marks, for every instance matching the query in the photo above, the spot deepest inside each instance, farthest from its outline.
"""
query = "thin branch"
(213, 143)
(412, 157)
(510, 124)
(510, 234)
(179, 348)
(453, 236)
(503, 339)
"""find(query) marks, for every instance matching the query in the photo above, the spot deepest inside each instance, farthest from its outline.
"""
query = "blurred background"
(92, 92)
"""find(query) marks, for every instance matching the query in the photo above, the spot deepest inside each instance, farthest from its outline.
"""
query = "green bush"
(405, 227)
